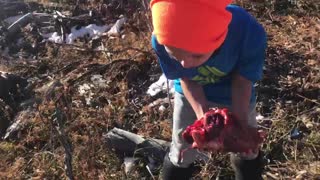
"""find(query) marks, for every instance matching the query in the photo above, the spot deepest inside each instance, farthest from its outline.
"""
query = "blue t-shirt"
(243, 51)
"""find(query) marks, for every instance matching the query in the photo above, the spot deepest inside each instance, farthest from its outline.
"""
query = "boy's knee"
(244, 156)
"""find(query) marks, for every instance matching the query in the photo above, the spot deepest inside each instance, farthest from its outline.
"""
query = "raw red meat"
(219, 129)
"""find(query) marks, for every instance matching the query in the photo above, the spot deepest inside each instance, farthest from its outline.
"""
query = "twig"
(311, 100)
(295, 150)
(271, 175)
(75, 63)
(57, 118)
(150, 172)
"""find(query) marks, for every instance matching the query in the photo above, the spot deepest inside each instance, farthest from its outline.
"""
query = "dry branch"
(57, 118)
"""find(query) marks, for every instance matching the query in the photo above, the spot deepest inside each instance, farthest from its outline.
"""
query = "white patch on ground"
(160, 85)
(92, 31)
(98, 80)
(115, 29)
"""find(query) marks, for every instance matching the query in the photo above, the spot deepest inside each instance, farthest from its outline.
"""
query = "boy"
(215, 52)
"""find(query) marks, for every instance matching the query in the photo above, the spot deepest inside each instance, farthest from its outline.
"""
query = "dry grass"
(288, 96)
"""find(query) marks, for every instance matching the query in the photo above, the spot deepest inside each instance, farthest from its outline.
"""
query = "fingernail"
(194, 145)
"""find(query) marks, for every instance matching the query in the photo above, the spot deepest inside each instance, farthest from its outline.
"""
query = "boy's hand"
(242, 139)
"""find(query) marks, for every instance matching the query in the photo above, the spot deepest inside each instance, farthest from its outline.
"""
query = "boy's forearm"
(241, 94)
(195, 96)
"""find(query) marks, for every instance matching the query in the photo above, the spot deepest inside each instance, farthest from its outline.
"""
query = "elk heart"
(218, 126)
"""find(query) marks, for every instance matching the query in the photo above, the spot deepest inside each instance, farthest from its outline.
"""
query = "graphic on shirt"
(208, 75)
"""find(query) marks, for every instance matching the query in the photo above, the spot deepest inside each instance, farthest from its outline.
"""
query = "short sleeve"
(172, 69)
(252, 57)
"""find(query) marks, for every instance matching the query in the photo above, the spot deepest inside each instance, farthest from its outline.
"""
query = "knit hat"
(197, 26)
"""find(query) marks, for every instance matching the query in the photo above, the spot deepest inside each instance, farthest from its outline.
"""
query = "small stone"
(309, 125)
(162, 108)
(305, 119)
(289, 102)
(259, 117)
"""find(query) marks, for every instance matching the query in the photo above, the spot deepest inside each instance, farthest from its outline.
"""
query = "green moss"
(6, 147)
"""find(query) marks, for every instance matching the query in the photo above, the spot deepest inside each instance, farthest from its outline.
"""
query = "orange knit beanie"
(198, 26)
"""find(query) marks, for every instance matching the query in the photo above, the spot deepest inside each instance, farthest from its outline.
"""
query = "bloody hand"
(218, 130)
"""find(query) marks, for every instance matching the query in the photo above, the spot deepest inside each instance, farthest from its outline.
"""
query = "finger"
(195, 145)
(198, 139)
(215, 145)
(202, 147)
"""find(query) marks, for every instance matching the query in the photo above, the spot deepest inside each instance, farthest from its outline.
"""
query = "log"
(20, 23)
(130, 144)
(8, 8)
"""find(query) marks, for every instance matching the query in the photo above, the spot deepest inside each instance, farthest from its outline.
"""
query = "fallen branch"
(310, 100)
(21, 22)
(57, 117)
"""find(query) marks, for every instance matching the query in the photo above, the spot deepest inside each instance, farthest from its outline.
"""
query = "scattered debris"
(115, 29)
(98, 81)
(160, 85)
(85, 90)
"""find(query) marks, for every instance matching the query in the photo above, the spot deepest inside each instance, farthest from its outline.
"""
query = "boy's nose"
(185, 64)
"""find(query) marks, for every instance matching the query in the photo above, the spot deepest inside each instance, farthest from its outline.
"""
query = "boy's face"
(187, 59)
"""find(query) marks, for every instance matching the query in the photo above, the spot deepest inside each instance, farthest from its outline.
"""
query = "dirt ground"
(69, 111)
